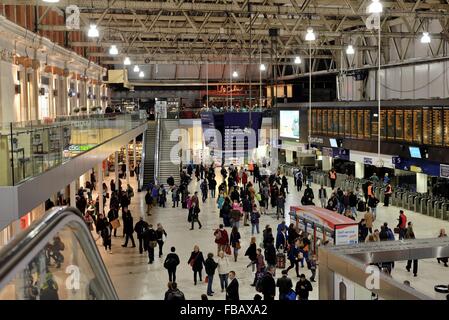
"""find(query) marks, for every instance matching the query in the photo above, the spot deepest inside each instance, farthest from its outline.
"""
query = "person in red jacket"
(244, 178)
(221, 238)
(402, 225)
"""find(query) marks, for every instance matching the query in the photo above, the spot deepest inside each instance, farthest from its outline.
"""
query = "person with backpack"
(234, 242)
(285, 286)
(212, 186)
(255, 220)
(49, 288)
(210, 266)
(150, 242)
(140, 228)
(196, 261)
(268, 285)
(162, 196)
(298, 179)
(303, 287)
(221, 238)
(161, 234)
(173, 293)
(175, 196)
(260, 267)
(171, 263)
(204, 190)
(193, 217)
(294, 258)
(280, 203)
(246, 206)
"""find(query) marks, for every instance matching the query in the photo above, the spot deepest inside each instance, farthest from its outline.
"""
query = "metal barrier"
(411, 200)
(445, 210)
(417, 202)
(423, 206)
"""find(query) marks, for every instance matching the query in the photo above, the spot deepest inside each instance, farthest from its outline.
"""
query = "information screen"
(325, 122)
(348, 123)
(289, 124)
(360, 131)
(408, 125)
(367, 122)
(319, 121)
(399, 125)
(437, 126)
(341, 122)
(383, 116)
(415, 152)
(417, 126)
(446, 127)
(427, 126)
(390, 124)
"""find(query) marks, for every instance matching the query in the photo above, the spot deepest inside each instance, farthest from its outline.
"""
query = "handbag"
(115, 223)
(206, 279)
(238, 245)
(228, 249)
(153, 244)
(396, 230)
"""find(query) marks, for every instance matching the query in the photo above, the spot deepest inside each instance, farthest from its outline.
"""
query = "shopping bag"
(228, 249)
(206, 279)
(115, 223)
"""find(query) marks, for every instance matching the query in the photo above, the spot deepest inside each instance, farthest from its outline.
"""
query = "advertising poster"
(346, 234)
(289, 124)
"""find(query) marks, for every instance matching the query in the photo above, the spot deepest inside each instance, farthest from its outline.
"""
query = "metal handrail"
(22, 249)
(142, 162)
(156, 149)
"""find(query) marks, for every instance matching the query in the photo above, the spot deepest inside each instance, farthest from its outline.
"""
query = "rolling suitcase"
(280, 260)
(361, 206)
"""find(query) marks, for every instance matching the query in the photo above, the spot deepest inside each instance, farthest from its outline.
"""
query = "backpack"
(218, 235)
(254, 217)
(170, 263)
(291, 295)
(259, 282)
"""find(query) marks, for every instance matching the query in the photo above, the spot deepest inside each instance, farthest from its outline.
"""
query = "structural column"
(359, 170)
(100, 187)
(327, 163)
(134, 153)
(73, 193)
(127, 162)
(116, 169)
(421, 182)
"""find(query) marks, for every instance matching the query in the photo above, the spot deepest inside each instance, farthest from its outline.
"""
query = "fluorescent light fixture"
(297, 60)
(126, 61)
(350, 49)
(136, 68)
(375, 7)
(141, 74)
(425, 37)
(93, 31)
(262, 67)
(235, 74)
(51, 1)
(113, 50)
(310, 36)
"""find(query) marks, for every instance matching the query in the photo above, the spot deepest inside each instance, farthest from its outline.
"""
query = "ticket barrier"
(417, 202)
(436, 208)
(444, 214)
(423, 206)
(397, 197)
(411, 200)
(405, 199)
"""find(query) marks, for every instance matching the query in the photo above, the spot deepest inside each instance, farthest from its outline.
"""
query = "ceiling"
(183, 33)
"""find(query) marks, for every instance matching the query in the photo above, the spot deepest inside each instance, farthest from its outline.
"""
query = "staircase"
(148, 166)
(166, 166)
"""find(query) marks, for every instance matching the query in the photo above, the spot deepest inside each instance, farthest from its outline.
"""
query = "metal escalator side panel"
(32, 267)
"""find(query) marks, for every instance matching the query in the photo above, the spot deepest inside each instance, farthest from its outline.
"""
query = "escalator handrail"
(21, 250)
(156, 148)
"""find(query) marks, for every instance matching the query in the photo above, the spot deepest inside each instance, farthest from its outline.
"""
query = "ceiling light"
(136, 68)
(375, 7)
(350, 49)
(141, 74)
(297, 60)
(113, 50)
(93, 31)
(425, 37)
(262, 67)
(51, 1)
(235, 74)
(127, 61)
(310, 36)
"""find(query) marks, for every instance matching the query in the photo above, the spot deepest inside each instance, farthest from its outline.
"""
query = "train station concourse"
(227, 151)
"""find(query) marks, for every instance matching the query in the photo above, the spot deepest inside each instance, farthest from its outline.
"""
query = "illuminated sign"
(80, 147)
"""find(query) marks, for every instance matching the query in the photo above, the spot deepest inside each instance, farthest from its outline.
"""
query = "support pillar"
(327, 163)
(100, 187)
(359, 170)
(127, 162)
(116, 169)
(421, 182)
(73, 193)
(134, 153)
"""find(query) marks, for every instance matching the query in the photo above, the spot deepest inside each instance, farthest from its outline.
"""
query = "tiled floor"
(135, 279)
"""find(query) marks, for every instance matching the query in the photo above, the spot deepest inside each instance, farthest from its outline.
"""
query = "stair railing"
(156, 149)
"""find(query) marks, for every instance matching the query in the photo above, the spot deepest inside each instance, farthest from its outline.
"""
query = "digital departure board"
(367, 122)
(437, 115)
(360, 131)
(341, 122)
(319, 121)
(399, 125)
(417, 126)
(427, 126)
(335, 122)
(325, 127)
(382, 118)
(408, 125)
(390, 125)
(354, 124)
(446, 127)
(348, 123)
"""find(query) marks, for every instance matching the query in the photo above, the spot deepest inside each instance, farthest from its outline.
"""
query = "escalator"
(56, 258)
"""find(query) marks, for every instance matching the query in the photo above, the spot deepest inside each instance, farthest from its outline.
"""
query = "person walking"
(150, 242)
(210, 265)
(402, 224)
(222, 268)
(369, 219)
(175, 196)
(232, 290)
(234, 242)
(106, 234)
(171, 263)
(333, 178)
(251, 253)
(221, 238)
(270, 256)
(284, 284)
(280, 206)
(140, 228)
(410, 234)
(196, 261)
(173, 293)
(161, 235)
(303, 287)
(268, 285)
(294, 258)
(444, 259)
(387, 194)
(194, 212)
(353, 203)
(212, 186)
(322, 195)
(255, 219)
(247, 208)
(128, 228)
(260, 266)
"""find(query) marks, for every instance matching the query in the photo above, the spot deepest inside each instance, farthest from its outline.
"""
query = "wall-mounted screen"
(333, 143)
(289, 124)
(415, 152)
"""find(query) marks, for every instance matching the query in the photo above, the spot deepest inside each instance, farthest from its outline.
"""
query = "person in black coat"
(284, 284)
(303, 287)
(196, 261)
(251, 253)
(150, 242)
(232, 290)
(128, 227)
(140, 228)
(210, 265)
(171, 263)
(113, 215)
(268, 285)
(270, 256)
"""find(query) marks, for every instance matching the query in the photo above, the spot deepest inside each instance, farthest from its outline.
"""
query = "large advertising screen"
(289, 124)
